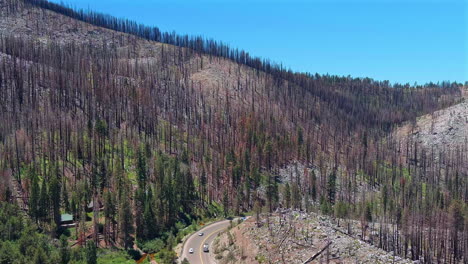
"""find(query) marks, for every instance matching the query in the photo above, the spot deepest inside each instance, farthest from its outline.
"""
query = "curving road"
(196, 242)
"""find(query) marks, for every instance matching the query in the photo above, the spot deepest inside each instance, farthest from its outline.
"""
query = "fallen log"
(318, 253)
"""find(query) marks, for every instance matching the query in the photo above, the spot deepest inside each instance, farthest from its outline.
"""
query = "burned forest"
(138, 135)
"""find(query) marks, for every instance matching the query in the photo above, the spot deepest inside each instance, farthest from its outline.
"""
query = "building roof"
(66, 217)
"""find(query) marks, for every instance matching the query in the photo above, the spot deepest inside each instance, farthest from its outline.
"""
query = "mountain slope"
(443, 129)
(172, 132)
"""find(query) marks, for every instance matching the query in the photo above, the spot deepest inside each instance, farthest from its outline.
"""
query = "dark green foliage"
(91, 253)
(313, 186)
(140, 201)
(65, 197)
(125, 220)
(167, 257)
(64, 250)
(40, 257)
(272, 192)
(44, 202)
(149, 217)
(331, 187)
(256, 177)
(170, 242)
(457, 221)
(325, 206)
(367, 212)
(296, 196)
(341, 210)
(101, 128)
(385, 198)
(54, 194)
(8, 194)
(20, 241)
(9, 253)
(34, 198)
(226, 204)
(141, 168)
(287, 195)
(152, 246)
(134, 254)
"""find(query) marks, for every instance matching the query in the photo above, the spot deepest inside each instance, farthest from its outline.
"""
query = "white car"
(190, 250)
(201, 234)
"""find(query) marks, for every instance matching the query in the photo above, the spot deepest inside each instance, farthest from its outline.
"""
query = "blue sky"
(401, 41)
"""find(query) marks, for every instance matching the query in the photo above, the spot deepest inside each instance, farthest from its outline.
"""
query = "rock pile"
(296, 237)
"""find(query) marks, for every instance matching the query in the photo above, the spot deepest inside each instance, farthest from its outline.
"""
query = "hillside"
(443, 129)
(165, 131)
(297, 237)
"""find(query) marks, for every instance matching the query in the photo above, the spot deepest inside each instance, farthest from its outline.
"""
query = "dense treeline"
(21, 242)
(154, 148)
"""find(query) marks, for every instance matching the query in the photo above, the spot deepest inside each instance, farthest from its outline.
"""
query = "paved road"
(196, 242)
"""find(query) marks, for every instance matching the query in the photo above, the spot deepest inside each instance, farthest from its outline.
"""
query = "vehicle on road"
(190, 250)
(201, 234)
(205, 248)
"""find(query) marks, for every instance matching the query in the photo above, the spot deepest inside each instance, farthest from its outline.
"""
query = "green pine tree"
(54, 194)
(125, 221)
(43, 210)
(91, 252)
(34, 198)
(287, 195)
(331, 187)
(64, 250)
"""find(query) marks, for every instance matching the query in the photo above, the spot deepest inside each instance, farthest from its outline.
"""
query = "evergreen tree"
(368, 212)
(325, 206)
(457, 223)
(91, 252)
(226, 204)
(287, 195)
(341, 211)
(54, 194)
(43, 210)
(239, 200)
(256, 177)
(331, 187)
(34, 198)
(65, 196)
(272, 192)
(40, 256)
(149, 218)
(139, 201)
(9, 253)
(8, 194)
(125, 221)
(313, 186)
(64, 250)
(202, 187)
(296, 196)
(141, 169)
(109, 214)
